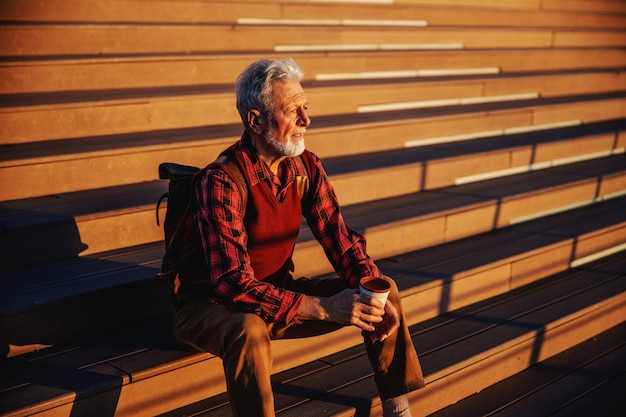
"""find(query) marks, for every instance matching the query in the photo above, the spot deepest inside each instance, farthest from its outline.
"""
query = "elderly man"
(236, 287)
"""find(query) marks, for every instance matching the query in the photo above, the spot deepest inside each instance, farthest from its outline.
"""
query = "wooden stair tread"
(113, 72)
(35, 367)
(549, 377)
(67, 147)
(550, 83)
(601, 14)
(596, 400)
(571, 387)
(500, 189)
(517, 323)
(146, 256)
(74, 205)
(118, 39)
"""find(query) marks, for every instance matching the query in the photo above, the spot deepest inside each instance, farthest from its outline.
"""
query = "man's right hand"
(345, 307)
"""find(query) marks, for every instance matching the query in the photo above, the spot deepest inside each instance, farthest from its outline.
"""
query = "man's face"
(288, 120)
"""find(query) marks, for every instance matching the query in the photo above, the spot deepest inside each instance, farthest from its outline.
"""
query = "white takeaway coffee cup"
(374, 287)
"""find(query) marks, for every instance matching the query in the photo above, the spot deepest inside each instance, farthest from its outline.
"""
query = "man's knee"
(248, 332)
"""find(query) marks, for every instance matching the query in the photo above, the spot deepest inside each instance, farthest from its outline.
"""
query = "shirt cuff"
(288, 314)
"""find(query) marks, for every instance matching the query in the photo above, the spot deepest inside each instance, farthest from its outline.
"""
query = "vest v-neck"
(279, 186)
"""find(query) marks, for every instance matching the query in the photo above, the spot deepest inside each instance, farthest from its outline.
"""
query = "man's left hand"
(390, 324)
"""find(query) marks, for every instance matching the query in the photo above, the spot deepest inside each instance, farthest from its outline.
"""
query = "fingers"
(348, 308)
(390, 309)
(361, 324)
(384, 330)
(365, 321)
(366, 317)
(389, 324)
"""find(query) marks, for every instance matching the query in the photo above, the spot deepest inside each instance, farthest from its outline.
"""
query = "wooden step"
(453, 124)
(515, 18)
(602, 6)
(452, 13)
(458, 14)
(24, 41)
(54, 75)
(150, 360)
(116, 39)
(106, 161)
(586, 379)
(82, 223)
(47, 117)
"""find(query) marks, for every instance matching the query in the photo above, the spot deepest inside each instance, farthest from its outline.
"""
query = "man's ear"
(254, 121)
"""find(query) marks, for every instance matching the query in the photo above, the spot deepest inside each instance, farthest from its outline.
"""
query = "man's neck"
(267, 154)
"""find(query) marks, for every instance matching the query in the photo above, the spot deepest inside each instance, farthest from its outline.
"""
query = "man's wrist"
(312, 308)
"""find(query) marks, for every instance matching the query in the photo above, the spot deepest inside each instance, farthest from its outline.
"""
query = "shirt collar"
(257, 170)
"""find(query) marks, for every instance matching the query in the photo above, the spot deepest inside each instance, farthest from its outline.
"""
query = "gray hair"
(254, 84)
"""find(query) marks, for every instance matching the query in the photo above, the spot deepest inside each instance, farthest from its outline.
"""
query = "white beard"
(290, 148)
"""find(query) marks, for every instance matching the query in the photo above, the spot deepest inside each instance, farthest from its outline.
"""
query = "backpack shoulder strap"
(227, 162)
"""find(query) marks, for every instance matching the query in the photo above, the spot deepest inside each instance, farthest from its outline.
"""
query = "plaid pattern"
(220, 219)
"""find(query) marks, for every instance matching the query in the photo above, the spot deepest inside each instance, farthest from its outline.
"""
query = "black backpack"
(179, 205)
(180, 202)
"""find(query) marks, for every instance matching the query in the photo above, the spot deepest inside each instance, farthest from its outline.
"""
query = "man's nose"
(304, 118)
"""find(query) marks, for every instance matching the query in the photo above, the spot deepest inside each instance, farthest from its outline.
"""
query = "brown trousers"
(242, 340)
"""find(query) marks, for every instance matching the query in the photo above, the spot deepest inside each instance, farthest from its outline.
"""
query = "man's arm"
(346, 250)
(344, 247)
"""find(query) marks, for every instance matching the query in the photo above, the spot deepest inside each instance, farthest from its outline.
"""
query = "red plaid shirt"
(220, 219)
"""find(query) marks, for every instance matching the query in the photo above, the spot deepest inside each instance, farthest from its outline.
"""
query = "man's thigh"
(205, 324)
(202, 323)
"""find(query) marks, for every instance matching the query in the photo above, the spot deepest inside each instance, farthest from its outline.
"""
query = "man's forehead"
(288, 91)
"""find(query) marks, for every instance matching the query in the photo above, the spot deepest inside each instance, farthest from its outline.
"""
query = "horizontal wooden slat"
(110, 73)
(602, 6)
(59, 40)
(544, 376)
(437, 13)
